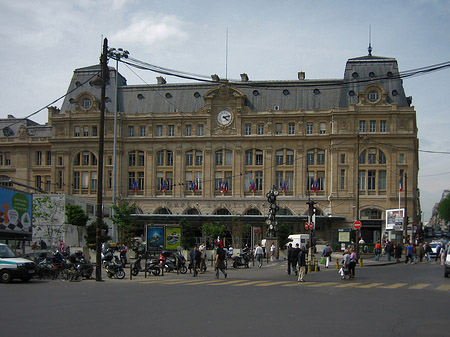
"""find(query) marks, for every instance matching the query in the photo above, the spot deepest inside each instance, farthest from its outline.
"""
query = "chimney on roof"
(161, 80)
(215, 78)
(301, 75)
(244, 77)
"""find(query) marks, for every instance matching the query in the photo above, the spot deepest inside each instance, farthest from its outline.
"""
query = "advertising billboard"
(173, 237)
(155, 237)
(394, 219)
(15, 213)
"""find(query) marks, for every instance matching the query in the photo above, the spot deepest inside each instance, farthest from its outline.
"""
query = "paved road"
(394, 300)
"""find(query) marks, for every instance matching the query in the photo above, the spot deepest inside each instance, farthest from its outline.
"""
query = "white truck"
(301, 239)
(14, 267)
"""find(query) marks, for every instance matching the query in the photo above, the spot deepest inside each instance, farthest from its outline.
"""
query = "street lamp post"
(116, 54)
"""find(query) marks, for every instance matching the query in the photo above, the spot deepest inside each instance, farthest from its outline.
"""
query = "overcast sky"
(42, 42)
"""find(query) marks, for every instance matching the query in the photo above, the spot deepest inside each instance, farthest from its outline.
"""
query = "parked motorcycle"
(152, 266)
(78, 261)
(123, 256)
(242, 260)
(114, 268)
(174, 262)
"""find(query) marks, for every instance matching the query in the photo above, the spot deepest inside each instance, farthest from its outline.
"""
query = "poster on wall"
(394, 219)
(173, 237)
(155, 237)
(15, 212)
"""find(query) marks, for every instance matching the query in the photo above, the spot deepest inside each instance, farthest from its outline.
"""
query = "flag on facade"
(252, 187)
(134, 185)
(400, 184)
(315, 186)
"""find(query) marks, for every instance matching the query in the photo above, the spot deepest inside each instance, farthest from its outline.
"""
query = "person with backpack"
(219, 263)
(326, 254)
(377, 251)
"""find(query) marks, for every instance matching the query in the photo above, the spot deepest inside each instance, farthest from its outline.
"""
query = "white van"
(301, 239)
(14, 267)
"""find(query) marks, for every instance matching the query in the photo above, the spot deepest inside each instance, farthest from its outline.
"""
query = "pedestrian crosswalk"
(291, 283)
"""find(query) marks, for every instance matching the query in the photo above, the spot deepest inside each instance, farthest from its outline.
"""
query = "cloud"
(152, 30)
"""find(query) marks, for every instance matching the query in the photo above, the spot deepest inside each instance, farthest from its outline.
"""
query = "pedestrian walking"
(259, 255)
(438, 250)
(326, 254)
(345, 264)
(352, 264)
(202, 250)
(195, 259)
(295, 252)
(443, 256)
(398, 251)
(272, 251)
(377, 251)
(409, 254)
(428, 251)
(301, 265)
(219, 263)
(289, 257)
(420, 252)
(389, 250)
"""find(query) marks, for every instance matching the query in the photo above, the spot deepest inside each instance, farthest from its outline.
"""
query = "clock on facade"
(224, 118)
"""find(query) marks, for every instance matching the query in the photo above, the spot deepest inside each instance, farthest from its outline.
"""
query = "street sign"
(306, 225)
(311, 226)
(357, 224)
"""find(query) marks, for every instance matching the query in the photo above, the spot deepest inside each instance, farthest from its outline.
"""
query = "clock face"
(224, 117)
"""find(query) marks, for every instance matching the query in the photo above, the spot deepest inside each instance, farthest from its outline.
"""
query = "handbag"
(322, 260)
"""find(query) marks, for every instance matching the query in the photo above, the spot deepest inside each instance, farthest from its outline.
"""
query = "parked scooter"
(242, 260)
(152, 266)
(79, 262)
(174, 262)
(123, 256)
(114, 267)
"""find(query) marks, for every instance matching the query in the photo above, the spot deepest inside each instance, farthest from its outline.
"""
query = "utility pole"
(405, 215)
(357, 197)
(101, 142)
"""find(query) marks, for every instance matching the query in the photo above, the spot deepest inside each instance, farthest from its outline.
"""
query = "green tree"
(212, 230)
(124, 221)
(91, 233)
(76, 216)
(48, 217)
(283, 233)
(188, 234)
(444, 208)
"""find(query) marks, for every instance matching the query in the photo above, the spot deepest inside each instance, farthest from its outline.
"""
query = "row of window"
(5, 158)
(85, 131)
(372, 126)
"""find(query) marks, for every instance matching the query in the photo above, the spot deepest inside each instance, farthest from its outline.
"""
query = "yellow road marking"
(443, 287)
(370, 285)
(247, 283)
(347, 285)
(228, 282)
(395, 286)
(319, 284)
(420, 286)
(296, 283)
(266, 284)
(194, 283)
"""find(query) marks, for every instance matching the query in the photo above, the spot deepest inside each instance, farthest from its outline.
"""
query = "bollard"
(361, 261)
(309, 267)
(337, 264)
(316, 267)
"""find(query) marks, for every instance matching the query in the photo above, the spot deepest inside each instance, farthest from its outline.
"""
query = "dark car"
(447, 261)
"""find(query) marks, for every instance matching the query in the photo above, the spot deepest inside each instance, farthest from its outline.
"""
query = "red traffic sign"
(357, 224)
(311, 226)
(306, 225)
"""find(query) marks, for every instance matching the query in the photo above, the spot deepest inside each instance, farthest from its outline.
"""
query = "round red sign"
(306, 225)
(357, 224)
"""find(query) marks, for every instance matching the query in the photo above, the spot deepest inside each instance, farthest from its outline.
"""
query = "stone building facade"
(216, 148)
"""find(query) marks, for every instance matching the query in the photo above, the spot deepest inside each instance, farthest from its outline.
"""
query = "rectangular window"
(1, 158)
(373, 126)
(76, 180)
(342, 158)
(7, 158)
(48, 158)
(141, 181)
(362, 180)
(159, 131)
(310, 157)
(38, 158)
(109, 179)
(93, 180)
(320, 157)
(289, 180)
(248, 129)
(60, 161)
(200, 130)
(291, 128)
(259, 180)
(142, 130)
(76, 132)
(131, 181)
(198, 158)
(309, 128)
(371, 180)
(160, 158)
(189, 158)
(279, 182)
(132, 158)
(84, 180)
(382, 126)
(171, 131)
(289, 157)
(309, 180)
(342, 180)
(401, 158)
(372, 156)
(278, 128)
(219, 158)
(260, 129)
(258, 157)
(279, 158)
(198, 180)
(249, 157)
(322, 128)
(94, 131)
(48, 183)
(362, 126)
(382, 180)
(60, 179)
(169, 158)
(228, 157)
(141, 158)
(188, 130)
(85, 131)
(321, 180)
(130, 130)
